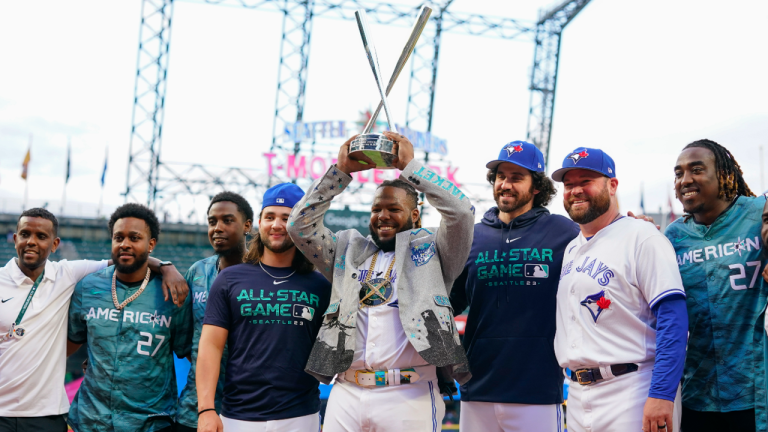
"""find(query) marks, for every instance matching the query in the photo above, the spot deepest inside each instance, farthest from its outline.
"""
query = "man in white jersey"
(621, 316)
(34, 301)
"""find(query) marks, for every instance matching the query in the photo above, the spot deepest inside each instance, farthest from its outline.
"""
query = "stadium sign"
(313, 167)
(325, 130)
(337, 220)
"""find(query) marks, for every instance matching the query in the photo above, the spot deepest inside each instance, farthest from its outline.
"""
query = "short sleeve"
(656, 269)
(82, 268)
(77, 331)
(217, 311)
(183, 330)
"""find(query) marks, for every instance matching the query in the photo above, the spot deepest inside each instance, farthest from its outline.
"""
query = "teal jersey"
(130, 383)
(721, 267)
(199, 278)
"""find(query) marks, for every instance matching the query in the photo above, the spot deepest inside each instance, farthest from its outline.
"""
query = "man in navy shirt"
(268, 311)
(510, 281)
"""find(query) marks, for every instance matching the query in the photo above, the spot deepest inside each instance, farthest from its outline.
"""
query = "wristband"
(208, 409)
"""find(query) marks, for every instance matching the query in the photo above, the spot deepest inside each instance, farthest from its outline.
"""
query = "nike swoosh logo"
(199, 277)
(510, 241)
(96, 292)
(278, 282)
(6, 300)
(678, 240)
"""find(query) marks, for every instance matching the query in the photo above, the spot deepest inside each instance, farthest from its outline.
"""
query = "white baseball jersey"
(608, 285)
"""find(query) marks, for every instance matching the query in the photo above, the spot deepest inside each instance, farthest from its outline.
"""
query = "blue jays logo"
(513, 148)
(421, 254)
(596, 304)
(577, 156)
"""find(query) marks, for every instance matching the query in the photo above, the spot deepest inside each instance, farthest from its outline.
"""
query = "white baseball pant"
(307, 423)
(416, 407)
(613, 405)
(510, 417)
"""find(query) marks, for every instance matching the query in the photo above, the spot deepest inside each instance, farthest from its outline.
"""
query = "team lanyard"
(16, 329)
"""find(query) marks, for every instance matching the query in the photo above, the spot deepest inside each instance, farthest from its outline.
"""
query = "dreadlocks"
(728, 170)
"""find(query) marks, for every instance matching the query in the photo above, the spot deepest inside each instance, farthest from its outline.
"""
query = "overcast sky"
(639, 79)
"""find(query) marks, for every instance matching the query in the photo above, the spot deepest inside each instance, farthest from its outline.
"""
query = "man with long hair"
(621, 319)
(510, 283)
(132, 335)
(230, 219)
(718, 247)
(267, 311)
(389, 326)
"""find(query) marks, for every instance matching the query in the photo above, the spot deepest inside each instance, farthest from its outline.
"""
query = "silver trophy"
(378, 147)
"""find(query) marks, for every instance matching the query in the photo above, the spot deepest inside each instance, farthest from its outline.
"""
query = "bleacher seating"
(182, 256)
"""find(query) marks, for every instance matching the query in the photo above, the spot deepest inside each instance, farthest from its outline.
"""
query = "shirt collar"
(19, 278)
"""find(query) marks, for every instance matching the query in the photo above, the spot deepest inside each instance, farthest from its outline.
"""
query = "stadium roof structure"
(151, 180)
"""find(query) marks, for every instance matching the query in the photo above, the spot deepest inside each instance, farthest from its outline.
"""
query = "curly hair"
(242, 205)
(541, 183)
(41, 213)
(410, 193)
(137, 211)
(729, 173)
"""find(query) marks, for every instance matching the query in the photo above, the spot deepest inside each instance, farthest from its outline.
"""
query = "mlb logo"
(537, 271)
(280, 200)
(301, 311)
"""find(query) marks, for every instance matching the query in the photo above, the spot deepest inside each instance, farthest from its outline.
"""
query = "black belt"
(589, 376)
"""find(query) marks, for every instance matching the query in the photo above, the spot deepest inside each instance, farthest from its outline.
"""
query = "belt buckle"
(584, 376)
(356, 381)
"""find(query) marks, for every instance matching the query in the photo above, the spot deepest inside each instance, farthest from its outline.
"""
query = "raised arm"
(305, 225)
(454, 237)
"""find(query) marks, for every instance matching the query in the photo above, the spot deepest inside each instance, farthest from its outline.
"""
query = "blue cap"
(589, 159)
(283, 195)
(520, 153)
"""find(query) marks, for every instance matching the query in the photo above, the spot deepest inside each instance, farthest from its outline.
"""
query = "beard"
(238, 250)
(521, 200)
(388, 245)
(276, 248)
(138, 262)
(597, 207)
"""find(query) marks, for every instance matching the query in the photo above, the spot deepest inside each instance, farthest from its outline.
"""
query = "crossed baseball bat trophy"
(378, 147)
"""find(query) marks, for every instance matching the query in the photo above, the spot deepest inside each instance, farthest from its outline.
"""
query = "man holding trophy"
(388, 331)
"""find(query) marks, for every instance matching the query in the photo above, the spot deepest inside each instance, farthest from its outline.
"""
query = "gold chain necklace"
(120, 306)
(374, 289)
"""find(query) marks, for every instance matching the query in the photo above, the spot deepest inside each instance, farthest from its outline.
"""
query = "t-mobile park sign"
(314, 167)
(323, 130)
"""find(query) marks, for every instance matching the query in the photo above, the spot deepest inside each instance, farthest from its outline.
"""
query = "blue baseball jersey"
(199, 277)
(130, 383)
(721, 268)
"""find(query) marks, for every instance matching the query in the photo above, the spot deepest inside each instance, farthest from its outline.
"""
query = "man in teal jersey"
(718, 247)
(130, 384)
(230, 219)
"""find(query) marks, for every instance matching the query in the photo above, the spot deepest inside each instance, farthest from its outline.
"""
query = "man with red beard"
(621, 317)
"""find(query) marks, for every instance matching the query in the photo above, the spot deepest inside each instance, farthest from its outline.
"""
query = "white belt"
(391, 377)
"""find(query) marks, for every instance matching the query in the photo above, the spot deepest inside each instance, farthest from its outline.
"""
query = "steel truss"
(162, 183)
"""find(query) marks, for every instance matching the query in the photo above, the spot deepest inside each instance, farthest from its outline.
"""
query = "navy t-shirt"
(272, 325)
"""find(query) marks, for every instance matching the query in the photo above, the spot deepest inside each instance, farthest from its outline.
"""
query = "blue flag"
(642, 200)
(69, 162)
(104, 173)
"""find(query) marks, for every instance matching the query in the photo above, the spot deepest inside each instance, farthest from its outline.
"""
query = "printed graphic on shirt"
(596, 270)
(537, 270)
(278, 307)
(737, 246)
(491, 266)
(129, 316)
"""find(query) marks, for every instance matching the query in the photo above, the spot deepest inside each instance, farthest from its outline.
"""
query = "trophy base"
(377, 147)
